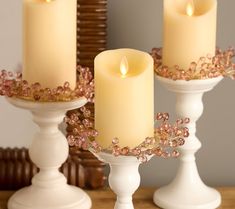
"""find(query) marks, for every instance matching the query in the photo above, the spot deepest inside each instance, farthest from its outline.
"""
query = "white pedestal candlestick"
(48, 151)
(187, 191)
(124, 178)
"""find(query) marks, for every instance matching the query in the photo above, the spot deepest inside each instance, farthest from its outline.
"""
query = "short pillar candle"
(189, 31)
(124, 90)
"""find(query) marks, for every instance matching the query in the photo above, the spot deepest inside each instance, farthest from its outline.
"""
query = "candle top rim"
(144, 59)
(201, 7)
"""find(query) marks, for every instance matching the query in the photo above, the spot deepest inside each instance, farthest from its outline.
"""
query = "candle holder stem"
(49, 149)
(124, 178)
(187, 190)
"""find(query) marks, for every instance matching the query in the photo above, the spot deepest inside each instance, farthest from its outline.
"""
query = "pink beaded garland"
(12, 85)
(205, 68)
(164, 144)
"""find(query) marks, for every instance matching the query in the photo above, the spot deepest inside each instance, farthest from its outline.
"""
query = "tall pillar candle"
(124, 91)
(189, 31)
(49, 42)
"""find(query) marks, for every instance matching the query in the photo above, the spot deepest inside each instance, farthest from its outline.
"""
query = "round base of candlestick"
(202, 198)
(63, 197)
(49, 149)
(187, 190)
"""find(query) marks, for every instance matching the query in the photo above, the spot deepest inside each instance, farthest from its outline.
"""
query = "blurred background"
(138, 24)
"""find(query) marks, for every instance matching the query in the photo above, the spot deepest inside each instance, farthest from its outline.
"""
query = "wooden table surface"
(104, 199)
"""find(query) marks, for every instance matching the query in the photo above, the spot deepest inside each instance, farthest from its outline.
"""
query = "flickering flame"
(124, 66)
(48, 1)
(190, 8)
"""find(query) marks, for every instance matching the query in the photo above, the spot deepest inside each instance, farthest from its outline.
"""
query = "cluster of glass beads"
(205, 68)
(12, 85)
(167, 138)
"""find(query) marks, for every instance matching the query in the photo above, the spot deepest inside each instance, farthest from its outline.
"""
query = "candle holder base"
(62, 197)
(49, 149)
(187, 190)
(184, 197)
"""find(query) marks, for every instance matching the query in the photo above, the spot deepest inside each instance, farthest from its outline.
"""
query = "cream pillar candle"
(49, 42)
(124, 106)
(189, 31)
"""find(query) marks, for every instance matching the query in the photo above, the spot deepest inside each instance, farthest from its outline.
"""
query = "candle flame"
(124, 66)
(48, 1)
(190, 8)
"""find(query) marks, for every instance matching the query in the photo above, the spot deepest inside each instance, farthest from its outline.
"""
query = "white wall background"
(138, 24)
(16, 127)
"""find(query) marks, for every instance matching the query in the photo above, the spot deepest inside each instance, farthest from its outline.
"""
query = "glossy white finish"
(49, 149)
(187, 190)
(124, 178)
